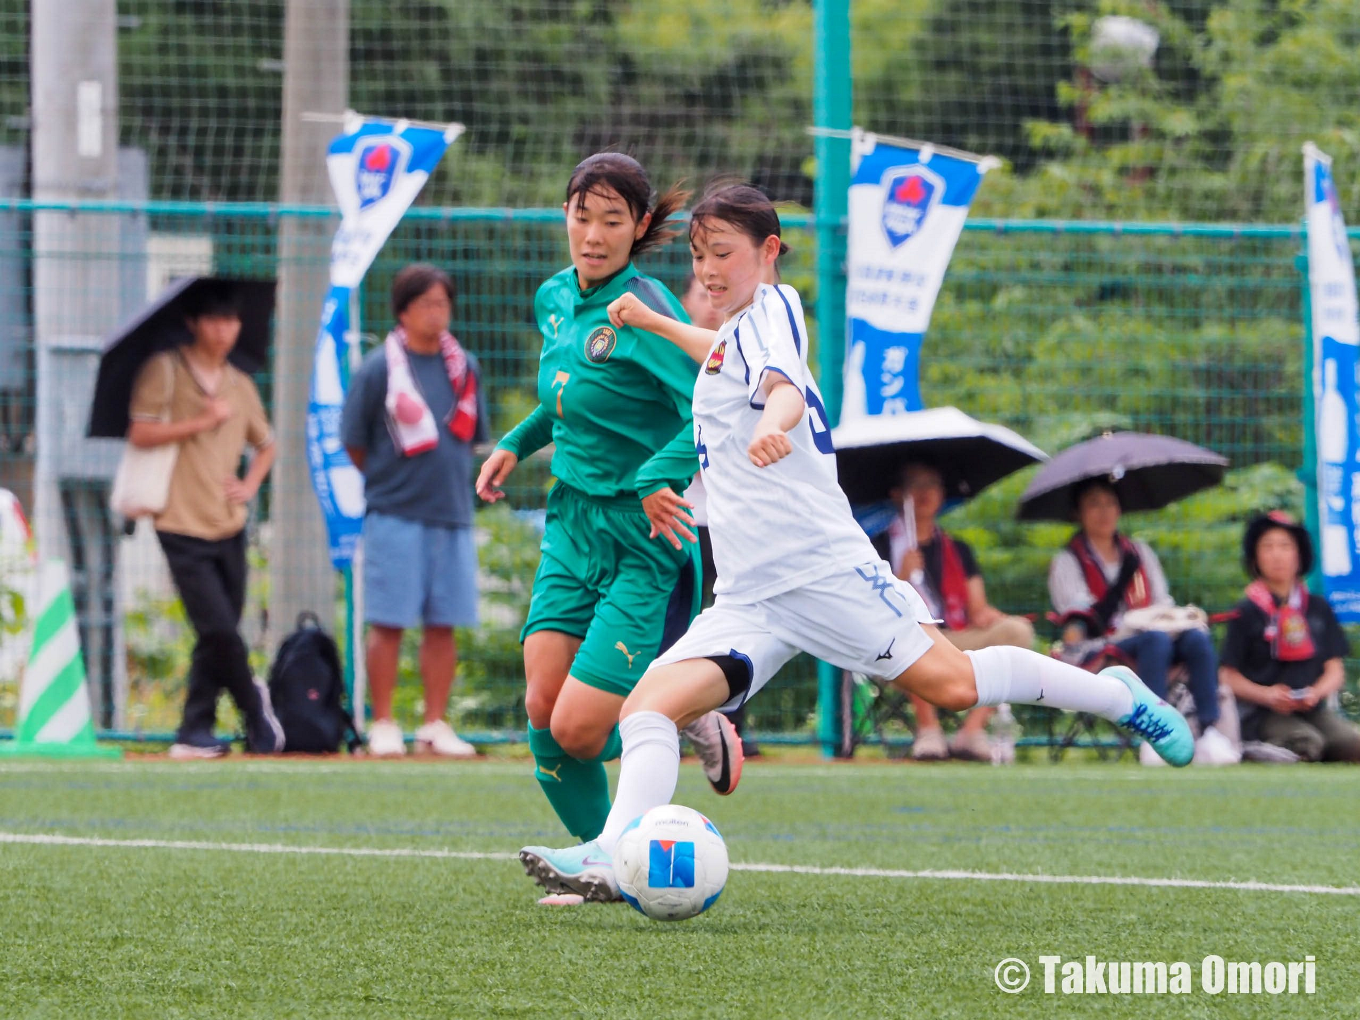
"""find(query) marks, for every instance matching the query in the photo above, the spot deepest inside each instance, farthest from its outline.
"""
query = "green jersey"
(616, 401)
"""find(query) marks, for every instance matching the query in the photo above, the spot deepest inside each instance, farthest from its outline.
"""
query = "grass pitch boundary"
(52, 839)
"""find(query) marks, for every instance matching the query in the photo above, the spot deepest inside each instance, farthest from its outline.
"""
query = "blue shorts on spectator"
(418, 573)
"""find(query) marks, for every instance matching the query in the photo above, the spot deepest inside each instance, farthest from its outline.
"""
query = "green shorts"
(628, 597)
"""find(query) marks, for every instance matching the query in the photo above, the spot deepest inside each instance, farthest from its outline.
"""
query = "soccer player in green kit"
(619, 576)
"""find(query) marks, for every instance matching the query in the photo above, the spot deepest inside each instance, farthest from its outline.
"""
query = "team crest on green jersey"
(600, 344)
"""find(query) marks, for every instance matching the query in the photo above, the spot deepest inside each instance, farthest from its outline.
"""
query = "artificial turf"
(152, 931)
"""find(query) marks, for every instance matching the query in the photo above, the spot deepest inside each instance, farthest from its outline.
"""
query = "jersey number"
(821, 428)
(560, 380)
(699, 447)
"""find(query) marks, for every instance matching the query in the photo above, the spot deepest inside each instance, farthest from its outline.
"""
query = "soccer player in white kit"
(795, 572)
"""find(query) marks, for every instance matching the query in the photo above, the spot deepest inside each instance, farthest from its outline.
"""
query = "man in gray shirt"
(413, 413)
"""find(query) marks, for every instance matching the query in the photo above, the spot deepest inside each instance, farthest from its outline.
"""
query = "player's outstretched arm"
(630, 310)
(784, 410)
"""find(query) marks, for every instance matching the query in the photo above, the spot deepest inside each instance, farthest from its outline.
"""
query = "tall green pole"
(831, 93)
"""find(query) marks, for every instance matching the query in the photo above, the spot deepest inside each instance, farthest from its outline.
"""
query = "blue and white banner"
(907, 206)
(377, 167)
(1336, 341)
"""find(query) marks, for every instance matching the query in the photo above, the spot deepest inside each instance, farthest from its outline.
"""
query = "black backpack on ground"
(307, 688)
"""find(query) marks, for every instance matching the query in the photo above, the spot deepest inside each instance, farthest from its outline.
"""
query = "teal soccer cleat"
(1154, 720)
(585, 870)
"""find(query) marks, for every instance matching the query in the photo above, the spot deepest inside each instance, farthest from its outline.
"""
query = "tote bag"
(141, 486)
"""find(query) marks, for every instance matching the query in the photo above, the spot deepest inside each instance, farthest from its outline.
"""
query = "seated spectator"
(1097, 579)
(942, 568)
(1283, 654)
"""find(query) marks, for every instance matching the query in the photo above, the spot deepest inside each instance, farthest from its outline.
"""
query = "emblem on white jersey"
(600, 344)
(715, 360)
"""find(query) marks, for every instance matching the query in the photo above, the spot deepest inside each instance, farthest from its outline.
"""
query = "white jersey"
(778, 527)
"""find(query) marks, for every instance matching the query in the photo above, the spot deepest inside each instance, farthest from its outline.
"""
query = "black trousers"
(211, 578)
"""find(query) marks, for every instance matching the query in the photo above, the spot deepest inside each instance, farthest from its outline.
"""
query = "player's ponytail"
(742, 206)
(626, 176)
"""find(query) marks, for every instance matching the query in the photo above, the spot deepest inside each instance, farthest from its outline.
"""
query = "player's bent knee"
(580, 738)
(957, 695)
(538, 704)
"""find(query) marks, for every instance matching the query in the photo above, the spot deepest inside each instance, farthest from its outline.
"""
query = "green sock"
(613, 747)
(577, 790)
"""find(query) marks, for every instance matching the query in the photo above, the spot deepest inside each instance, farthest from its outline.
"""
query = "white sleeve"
(1066, 585)
(773, 338)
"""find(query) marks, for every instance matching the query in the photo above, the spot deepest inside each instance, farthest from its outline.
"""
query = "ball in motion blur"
(671, 863)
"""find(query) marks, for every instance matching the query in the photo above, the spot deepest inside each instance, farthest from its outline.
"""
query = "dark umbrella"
(160, 326)
(1147, 472)
(969, 454)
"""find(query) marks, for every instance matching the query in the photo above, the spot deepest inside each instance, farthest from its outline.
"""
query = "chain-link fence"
(1175, 117)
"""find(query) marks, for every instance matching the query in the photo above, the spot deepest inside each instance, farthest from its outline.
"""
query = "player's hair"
(414, 280)
(625, 175)
(216, 298)
(745, 207)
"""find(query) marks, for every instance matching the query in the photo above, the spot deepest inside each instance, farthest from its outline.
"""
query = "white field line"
(45, 839)
(1320, 776)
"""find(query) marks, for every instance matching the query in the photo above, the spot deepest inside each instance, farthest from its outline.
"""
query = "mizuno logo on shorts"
(883, 585)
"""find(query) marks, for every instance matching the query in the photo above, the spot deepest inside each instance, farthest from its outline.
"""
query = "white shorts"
(862, 619)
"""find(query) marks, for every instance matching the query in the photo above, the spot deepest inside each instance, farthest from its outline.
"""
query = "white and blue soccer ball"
(671, 863)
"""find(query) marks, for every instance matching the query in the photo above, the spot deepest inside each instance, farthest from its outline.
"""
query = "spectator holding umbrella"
(900, 471)
(1102, 577)
(944, 571)
(1283, 653)
(191, 395)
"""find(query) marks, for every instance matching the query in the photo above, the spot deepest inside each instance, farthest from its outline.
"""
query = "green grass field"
(226, 927)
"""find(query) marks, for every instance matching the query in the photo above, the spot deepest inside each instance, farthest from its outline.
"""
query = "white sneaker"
(192, 752)
(1147, 755)
(385, 739)
(438, 738)
(1213, 748)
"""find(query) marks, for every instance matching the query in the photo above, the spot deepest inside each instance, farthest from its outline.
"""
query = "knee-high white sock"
(648, 771)
(1027, 678)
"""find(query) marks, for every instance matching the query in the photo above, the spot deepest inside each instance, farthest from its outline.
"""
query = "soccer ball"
(671, 863)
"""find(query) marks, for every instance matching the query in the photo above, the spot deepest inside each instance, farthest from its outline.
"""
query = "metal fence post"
(831, 108)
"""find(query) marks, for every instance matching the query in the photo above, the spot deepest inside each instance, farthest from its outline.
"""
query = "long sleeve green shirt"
(615, 401)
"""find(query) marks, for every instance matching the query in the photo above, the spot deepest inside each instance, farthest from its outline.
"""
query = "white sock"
(648, 771)
(1024, 677)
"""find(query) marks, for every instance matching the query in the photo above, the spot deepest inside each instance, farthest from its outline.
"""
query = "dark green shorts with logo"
(628, 597)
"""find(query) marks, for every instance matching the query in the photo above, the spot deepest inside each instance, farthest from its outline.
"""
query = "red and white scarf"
(1138, 595)
(1287, 630)
(408, 415)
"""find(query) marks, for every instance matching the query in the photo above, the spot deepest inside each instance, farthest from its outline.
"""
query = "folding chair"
(1087, 724)
(870, 708)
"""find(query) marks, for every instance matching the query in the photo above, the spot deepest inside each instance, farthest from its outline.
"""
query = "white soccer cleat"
(385, 740)
(438, 738)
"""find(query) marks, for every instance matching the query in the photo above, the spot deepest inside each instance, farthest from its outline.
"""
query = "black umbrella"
(1147, 472)
(969, 454)
(160, 326)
